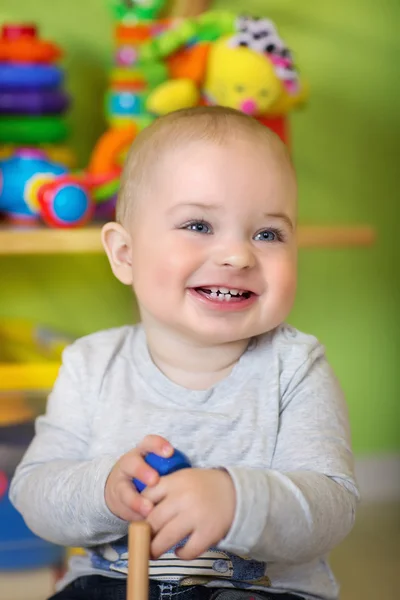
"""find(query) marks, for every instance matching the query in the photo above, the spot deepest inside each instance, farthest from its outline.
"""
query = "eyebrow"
(206, 206)
(281, 217)
(201, 205)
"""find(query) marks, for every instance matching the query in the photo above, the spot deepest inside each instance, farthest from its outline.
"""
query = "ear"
(117, 244)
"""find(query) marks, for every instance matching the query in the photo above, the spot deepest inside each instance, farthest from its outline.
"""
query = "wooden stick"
(138, 562)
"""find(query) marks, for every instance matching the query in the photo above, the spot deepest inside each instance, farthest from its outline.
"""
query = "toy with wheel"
(34, 188)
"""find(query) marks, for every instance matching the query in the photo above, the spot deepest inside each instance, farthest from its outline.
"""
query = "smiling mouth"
(224, 294)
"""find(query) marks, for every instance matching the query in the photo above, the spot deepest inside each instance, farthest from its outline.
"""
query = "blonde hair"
(217, 124)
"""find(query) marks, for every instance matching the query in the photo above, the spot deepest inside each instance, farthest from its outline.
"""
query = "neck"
(192, 365)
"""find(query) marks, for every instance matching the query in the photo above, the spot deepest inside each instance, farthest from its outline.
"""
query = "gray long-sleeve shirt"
(278, 423)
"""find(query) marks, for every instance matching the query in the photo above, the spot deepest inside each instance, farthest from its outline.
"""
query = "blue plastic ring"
(14, 77)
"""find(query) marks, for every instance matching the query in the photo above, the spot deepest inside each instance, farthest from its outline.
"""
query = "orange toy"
(189, 63)
(132, 33)
(26, 47)
(110, 146)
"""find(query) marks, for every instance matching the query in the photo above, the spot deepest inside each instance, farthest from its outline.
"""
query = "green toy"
(207, 27)
(137, 10)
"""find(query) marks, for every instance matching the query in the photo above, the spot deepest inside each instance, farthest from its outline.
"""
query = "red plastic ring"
(14, 32)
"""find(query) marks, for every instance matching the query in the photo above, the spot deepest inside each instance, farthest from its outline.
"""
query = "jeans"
(96, 587)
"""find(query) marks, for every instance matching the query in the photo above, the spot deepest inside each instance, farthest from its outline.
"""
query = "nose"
(248, 106)
(238, 256)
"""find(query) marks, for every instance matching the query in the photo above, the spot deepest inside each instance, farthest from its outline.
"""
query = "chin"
(214, 336)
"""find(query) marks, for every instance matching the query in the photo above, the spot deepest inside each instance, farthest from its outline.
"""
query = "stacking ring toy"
(14, 76)
(32, 130)
(27, 50)
(14, 32)
(21, 44)
(33, 102)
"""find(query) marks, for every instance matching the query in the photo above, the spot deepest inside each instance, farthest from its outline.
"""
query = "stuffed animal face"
(241, 78)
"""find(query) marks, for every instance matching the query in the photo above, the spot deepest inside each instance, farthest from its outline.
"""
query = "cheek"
(282, 275)
(164, 264)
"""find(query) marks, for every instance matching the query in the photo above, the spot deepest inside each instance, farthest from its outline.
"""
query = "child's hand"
(199, 503)
(120, 494)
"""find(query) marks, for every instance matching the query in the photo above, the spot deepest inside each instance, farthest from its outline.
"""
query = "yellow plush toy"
(240, 78)
(250, 70)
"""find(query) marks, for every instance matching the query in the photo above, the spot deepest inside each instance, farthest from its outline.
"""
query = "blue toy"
(164, 466)
(29, 77)
(16, 173)
(20, 549)
(33, 188)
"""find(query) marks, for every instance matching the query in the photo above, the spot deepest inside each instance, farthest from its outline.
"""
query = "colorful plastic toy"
(65, 202)
(23, 343)
(161, 65)
(27, 76)
(164, 466)
(30, 191)
(58, 153)
(19, 547)
(22, 340)
(250, 69)
(30, 357)
(133, 10)
(32, 103)
(131, 80)
(37, 189)
(32, 130)
(20, 44)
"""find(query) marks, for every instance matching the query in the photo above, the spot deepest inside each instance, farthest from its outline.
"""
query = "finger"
(167, 484)
(171, 534)
(129, 515)
(125, 513)
(157, 492)
(133, 465)
(133, 501)
(156, 444)
(194, 547)
(161, 514)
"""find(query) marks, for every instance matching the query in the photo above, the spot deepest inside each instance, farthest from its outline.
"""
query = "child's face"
(217, 218)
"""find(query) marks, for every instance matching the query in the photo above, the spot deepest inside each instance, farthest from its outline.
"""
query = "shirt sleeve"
(304, 505)
(58, 490)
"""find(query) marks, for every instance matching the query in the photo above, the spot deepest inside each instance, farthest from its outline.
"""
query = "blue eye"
(269, 235)
(198, 227)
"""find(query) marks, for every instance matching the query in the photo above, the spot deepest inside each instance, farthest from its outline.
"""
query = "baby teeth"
(223, 293)
(223, 290)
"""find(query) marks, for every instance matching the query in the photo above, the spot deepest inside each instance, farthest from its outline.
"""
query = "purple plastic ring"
(33, 102)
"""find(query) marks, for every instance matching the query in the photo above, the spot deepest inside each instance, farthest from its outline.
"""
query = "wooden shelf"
(335, 236)
(40, 240)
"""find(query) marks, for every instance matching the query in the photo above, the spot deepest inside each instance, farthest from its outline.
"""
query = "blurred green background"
(346, 148)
